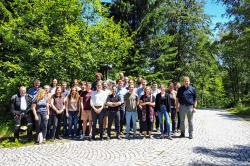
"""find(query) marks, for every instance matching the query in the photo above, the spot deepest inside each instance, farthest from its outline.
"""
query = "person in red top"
(86, 110)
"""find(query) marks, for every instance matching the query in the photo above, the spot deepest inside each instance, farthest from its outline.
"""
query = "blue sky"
(216, 11)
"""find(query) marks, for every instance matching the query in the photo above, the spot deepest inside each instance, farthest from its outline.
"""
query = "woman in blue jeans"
(72, 110)
(163, 109)
(40, 108)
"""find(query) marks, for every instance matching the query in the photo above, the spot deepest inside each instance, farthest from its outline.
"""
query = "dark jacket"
(16, 103)
(158, 102)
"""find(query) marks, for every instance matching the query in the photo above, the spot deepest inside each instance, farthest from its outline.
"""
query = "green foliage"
(52, 39)
(242, 111)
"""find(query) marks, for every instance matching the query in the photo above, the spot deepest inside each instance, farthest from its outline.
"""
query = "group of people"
(124, 102)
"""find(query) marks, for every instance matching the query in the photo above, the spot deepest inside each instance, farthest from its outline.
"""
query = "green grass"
(6, 127)
(241, 111)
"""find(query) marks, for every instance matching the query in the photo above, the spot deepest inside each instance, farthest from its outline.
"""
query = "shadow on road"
(237, 154)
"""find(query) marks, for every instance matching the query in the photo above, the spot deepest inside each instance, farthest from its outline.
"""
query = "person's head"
(163, 88)
(99, 85)
(58, 91)
(121, 76)
(186, 81)
(177, 86)
(46, 88)
(22, 90)
(64, 85)
(83, 85)
(74, 93)
(126, 80)
(37, 83)
(144, 83)
(104, 85)
(120, 83)
(113, 90)
(98, 76)
(147, 90)
(75, 82)
(154, 86)
(40, 94)
(54, 83)
(171, 86)
(131, 82)
(131, 88)
(88, 86)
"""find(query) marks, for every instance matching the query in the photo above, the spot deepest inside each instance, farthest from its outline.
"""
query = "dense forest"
(159, 39)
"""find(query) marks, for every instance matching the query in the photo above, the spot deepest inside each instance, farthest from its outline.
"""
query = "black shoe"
(182, 135)
(118, 137)
(58, 137)
(190, 137)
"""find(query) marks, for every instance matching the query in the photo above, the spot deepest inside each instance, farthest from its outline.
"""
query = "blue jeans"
(161, 113)
(129, 116)
(73, 120)
(41, 124)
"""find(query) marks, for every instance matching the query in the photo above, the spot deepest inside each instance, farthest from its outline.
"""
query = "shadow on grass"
(239, 154)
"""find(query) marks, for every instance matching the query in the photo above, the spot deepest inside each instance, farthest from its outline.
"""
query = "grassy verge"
(242, 111)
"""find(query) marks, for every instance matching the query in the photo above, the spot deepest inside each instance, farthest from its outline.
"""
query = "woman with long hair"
(147, 103)
(72, 110)
(57, 105)
(40, 108)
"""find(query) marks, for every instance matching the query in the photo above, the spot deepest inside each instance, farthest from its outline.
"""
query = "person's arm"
(48, 111)
(12, 106)
(81, 104)
(66, 106)
(91, 103)
(53, 106)
(34, 111)
(118, 103)
(195, 101)
(152, 102)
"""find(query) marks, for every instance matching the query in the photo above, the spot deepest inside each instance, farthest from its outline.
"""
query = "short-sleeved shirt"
(86, 99)
(41, 106)
(121, 92)
(186, 96)
(131, 100)
(112, 98)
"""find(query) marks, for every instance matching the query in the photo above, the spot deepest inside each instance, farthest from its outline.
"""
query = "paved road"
(219, 139)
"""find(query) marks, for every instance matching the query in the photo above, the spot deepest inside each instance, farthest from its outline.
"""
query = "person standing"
(155, 91)
(177, 86)
(65, 93)
(21, 109)
(186, 104)
(72, 110)
(172, 103)
(131, 102)
(57, 106)
(121, 91)
(40, 108)
(97, 103)
(107, 91)
(86, 110)
(147, 103)
(98, 77)
(163, 109)
(113, 103)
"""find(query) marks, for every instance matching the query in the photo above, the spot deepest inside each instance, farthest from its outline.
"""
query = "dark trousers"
(65, 124)
(114, 115)
(157, 124)
(140, 118)
(55, 121)
(41, 124)
(178, 121)
(73, 120)
(100, 117)
(173, 118)
(122, 117)
(18, 121)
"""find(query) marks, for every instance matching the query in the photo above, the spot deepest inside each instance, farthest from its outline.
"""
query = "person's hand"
(67, 115)
(36, 117)
(156, 113)
(177, 109)
(47, 117)
(194, 110)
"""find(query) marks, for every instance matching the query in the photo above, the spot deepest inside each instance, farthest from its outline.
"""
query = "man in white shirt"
(97, 102)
